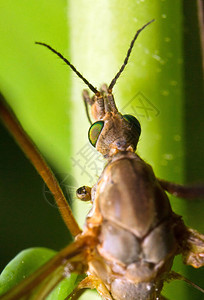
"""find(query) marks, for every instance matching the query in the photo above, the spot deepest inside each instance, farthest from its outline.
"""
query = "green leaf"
(65, 287)
(24, 264)
(28, 261)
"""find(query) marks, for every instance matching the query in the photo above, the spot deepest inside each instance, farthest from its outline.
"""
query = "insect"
(131, 235)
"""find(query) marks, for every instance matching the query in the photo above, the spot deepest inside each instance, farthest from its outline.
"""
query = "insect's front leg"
(97, 105)
(87, 101)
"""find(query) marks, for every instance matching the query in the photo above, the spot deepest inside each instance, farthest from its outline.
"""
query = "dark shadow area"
(26, 218)
(194, 123)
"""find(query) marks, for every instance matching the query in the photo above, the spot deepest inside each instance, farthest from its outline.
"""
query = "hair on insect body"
(131, 234)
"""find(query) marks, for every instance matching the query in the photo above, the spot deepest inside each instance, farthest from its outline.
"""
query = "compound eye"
(134, 122)
(94, 132)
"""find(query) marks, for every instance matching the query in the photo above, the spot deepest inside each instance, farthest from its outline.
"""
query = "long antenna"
(92, 88)
(113, 82)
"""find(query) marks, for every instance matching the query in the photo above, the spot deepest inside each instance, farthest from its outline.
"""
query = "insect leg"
(92, 282)
(76, 295)
(178, 190)
(176, 276)
(47, 286)
(96, 103)
(31, 151)
(87, 100)
(190, 242)
(193, 248)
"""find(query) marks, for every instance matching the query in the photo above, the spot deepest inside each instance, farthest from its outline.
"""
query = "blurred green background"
(162, 85)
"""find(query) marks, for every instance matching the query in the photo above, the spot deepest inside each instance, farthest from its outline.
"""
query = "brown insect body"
(131, 235)
(136, 239)
(133, 216)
